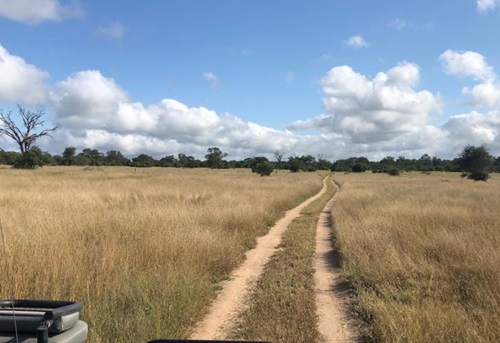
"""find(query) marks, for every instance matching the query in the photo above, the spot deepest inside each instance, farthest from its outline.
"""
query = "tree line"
(474, 162)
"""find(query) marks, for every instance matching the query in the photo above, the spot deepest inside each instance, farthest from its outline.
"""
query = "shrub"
(393, 172)
(264, 168)
(358, 168)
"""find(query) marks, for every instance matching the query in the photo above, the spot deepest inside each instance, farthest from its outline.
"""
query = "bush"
(474, 162)
(393, 172)
(479, 176)
(264, 168)
(30, 159)
(358, 168)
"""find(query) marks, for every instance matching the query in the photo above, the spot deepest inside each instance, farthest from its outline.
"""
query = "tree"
(215, 157)
(296, 164)
(68, 156)
(30, 159)
(143, 161)
(263, 168)
(279, 157)
(358, 168)
(26, 134)
(115, 158)
(92, 156)
(475, 162)
(261, 165)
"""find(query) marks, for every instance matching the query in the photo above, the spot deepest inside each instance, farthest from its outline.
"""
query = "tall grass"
(141, 249)
(422, 252)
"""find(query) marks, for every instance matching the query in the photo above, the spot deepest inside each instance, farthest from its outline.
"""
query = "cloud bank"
(388, 114)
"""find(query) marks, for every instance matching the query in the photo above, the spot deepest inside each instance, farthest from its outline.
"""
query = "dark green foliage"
(296, 165)
(348, 164)
(68, 156)
(9, 157)
(262, 166)
(143, 161)
(479, 176)
(215, 158)
(358, 168)
(115, 158)
(475, 162)
(393, 172)
(30, 159)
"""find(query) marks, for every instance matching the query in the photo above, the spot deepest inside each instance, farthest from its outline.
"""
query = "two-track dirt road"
(231, 300)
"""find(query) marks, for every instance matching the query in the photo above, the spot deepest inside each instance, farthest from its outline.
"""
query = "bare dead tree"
(279, 157)
(26, 134)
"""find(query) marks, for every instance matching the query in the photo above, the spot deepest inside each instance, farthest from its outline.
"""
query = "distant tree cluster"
(474, 162)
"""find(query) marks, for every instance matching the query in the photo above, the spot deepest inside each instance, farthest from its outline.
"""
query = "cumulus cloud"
(484, 6)
(87, 99)
(484, 94)
(212, 79)
(373, 117)
(468, 63)
(37, 11)
(367, 111)
(356, 42)
(475, 127)
(113, 31)
(20, 81)
(94, 111)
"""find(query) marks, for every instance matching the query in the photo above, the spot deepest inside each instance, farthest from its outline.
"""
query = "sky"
(329, 78)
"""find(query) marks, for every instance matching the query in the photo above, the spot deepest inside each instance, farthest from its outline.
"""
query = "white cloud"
(94, 111)
(113, 31)
(468, 63)
(37, 11)
(87, 99)
(212, 79)
(356, 42)
(474, 128)
(20, 81)
(484, 6)
(367, 112)
(398, 24)
(372, 117)
(485, 94)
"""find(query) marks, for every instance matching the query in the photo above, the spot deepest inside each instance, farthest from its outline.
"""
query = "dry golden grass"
(422, 252)
(141, 249)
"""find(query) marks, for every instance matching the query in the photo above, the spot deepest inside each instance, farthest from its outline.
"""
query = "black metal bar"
(42, 334)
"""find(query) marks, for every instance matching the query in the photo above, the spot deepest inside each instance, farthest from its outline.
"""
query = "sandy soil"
(230, 301)
(332, 294)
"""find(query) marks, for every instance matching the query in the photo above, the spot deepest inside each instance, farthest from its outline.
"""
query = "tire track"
(230, 301)
(331, 291)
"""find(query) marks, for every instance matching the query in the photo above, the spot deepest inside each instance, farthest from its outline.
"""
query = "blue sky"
(336, 78)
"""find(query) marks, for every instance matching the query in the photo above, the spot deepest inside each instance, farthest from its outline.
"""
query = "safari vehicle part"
(41, 321)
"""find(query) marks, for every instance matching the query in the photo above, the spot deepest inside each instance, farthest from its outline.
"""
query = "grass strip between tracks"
(282, 308)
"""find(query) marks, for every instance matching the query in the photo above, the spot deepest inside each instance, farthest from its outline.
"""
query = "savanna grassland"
(142, 249)
(422, 252)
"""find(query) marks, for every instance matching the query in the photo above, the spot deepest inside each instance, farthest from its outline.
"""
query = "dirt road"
(231, 300)
(331, 292)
